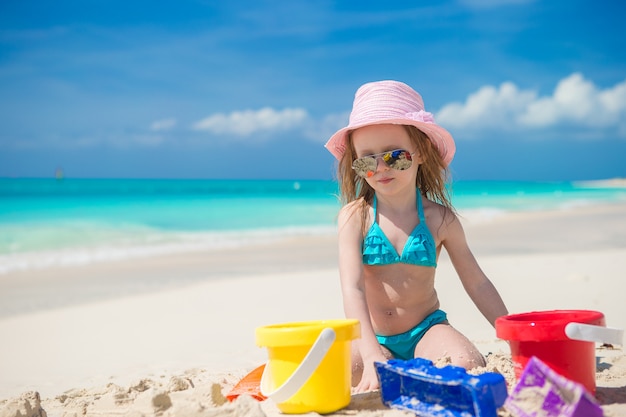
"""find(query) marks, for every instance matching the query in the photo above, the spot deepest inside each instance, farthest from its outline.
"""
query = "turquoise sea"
(47, 222)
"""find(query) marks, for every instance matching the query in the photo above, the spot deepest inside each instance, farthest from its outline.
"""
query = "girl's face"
(377, 139)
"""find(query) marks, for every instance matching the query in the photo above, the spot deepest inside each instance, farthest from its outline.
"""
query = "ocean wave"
(606, 183)
(482, 215)
(157, 245)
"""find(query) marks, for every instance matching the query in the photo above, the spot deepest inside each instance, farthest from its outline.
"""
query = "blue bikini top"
(419, 248)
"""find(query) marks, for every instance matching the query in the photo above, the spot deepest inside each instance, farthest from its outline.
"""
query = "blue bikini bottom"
(402, 345)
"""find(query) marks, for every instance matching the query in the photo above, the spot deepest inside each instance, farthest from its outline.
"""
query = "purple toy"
(543, 392)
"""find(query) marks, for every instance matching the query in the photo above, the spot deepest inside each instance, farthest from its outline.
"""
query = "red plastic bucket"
(542, 334)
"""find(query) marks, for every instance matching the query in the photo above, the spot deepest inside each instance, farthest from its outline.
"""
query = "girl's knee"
(469, 359)
(357, 373)
(357, 366)
(444, 344)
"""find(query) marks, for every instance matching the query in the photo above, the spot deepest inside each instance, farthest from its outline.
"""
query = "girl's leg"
(443, 341)
(357, 365)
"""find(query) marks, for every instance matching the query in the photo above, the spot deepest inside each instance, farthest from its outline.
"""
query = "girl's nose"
(379, 161)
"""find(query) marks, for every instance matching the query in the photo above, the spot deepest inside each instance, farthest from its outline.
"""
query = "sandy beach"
(172, 335)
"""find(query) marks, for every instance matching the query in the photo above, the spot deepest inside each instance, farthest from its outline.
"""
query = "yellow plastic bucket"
(309, 367)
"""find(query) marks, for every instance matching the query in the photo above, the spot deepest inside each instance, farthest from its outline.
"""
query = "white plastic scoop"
(590, 333)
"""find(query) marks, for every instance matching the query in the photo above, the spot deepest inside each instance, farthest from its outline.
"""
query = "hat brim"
(440, 137)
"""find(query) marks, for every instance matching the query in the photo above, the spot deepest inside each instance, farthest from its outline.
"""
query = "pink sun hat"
(392, 102)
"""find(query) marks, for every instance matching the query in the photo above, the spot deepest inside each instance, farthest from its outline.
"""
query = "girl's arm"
(353, 291)
(476, 284)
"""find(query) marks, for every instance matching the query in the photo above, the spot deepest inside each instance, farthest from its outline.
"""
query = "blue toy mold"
(417, 385)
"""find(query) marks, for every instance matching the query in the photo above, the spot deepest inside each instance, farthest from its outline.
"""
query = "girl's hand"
(369, 379)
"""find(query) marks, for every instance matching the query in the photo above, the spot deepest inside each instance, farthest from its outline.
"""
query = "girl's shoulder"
(439, 215)
(354, 211)
(353, 207)
(436, 208)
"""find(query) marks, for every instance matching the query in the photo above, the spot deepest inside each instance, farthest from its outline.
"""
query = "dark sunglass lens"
(400, 160)
(365, 166)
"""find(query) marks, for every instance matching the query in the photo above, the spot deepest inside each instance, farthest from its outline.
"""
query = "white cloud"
(575, 102)
(489, 107)
(322, 130)
(247, 122)
(163, 124)
(580, 102)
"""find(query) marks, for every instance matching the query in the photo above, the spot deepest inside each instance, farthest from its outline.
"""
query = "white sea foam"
(46, 224)
(482, 215)
(155, 245)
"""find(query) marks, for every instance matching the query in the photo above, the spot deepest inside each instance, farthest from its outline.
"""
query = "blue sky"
(530, 89)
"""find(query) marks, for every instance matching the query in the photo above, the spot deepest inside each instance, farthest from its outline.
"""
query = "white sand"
(70, 349)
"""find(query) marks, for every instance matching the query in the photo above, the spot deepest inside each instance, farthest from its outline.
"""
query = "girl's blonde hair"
(432, 175)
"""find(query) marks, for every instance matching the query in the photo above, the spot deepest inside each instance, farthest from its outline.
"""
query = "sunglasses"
(397, 159)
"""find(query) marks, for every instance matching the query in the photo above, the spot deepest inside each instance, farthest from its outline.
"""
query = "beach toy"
(563, 339)
(249, 385)
(309, 366)
(541, 392)
(418, 386)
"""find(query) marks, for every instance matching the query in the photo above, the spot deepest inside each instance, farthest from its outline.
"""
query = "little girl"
(396, 217)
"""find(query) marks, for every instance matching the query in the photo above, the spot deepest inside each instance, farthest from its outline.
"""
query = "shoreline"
(57, 244)
(40, 289)
(195, 314)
